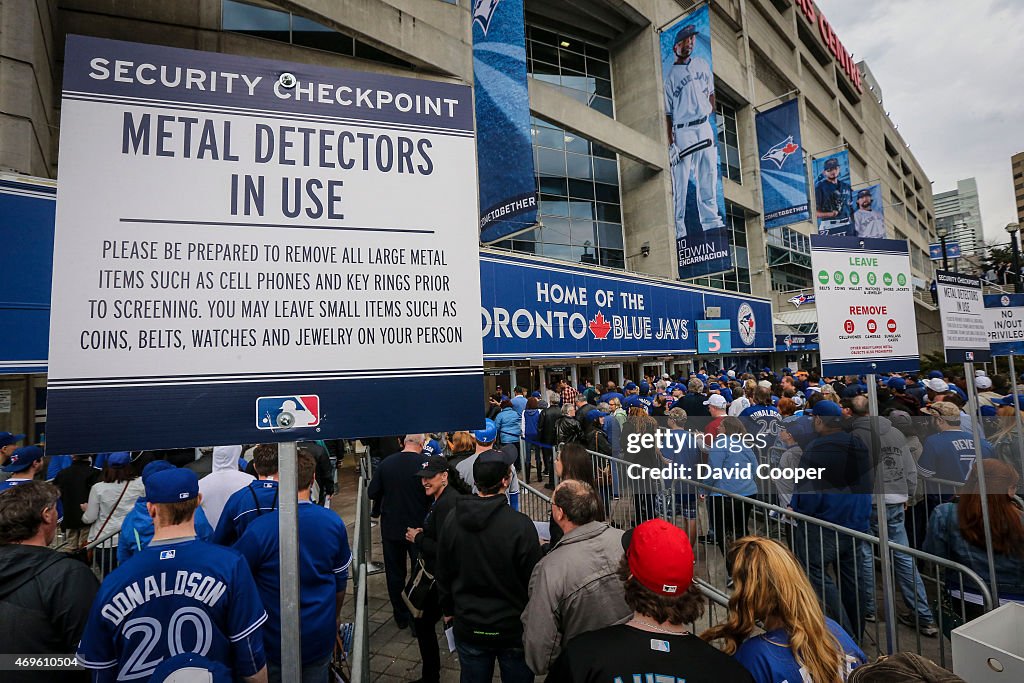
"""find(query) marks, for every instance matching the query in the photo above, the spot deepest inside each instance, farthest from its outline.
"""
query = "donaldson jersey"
(170, 599)
(635, 401)
(763, 420)
(245, 505)
(688, 89)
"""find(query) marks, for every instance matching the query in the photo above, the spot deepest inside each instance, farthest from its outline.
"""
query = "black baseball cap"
(863, 193)
(492, 466)
(831, 163)
(433, 466)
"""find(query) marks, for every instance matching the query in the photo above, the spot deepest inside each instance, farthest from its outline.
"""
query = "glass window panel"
(545, 53)
(549, 137)
(603, 105)
(602, 87)
(550, 162)
(539, 35)
(553, 206)
(585, 255)
(740, 256)
(364, 51)
(544, 71)
(255, 21)
(609, 212)
(609, 235)
(311, 34)
(572, 60)
(597, 52)
(598, 68)
(571, 44)
(556, 230)
(578, 209)
(602, 151)
(612, 258)
(575, 143)
(607, 192)
(578, 82)
(581, 188)
(578, 166)
(606, 171)
(506, 244)
(524, 247)
(558, 251)
(584, 232)
(554, 186)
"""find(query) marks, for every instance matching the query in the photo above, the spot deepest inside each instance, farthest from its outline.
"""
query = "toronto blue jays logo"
(801, 299)
(747, 323)
(483, 12)
(780, 152)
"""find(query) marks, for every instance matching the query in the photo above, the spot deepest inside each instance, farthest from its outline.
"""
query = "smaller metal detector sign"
(865, 305)
(1004, 323)
(962, 310)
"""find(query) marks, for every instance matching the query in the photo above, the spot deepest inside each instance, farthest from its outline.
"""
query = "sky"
(952, 79)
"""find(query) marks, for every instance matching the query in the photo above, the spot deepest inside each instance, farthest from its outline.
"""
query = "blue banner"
(544, 309)
(832, 193)
(702, 238)
(783, 174)
(868, 213)
(504, 146)
(790, 343)
(1004, 323)
(952, 250)
(26, 226)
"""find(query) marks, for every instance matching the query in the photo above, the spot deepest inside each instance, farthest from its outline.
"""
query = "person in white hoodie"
(217, 486)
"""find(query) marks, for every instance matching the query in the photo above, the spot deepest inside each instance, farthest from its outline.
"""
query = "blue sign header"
(543, 309)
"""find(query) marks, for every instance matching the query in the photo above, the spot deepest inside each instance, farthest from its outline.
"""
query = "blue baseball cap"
(535, 394)
(800, 428)
(432, 447)
(630, 386)
(593, 415)
(488, 434)
(958, 391)
(827, 409)
(714, 386)
(154, 467)
(119, 459)
(702, 377)
(897, 383)
(7, 439)
(684, 33)
(1009, 400)
(935, 374)
(23, 458)
(172, 486)
(645, 388)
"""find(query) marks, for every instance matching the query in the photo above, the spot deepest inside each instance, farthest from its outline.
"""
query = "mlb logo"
(669, 589)
(183, 496)
(166, 554)
(969, 355)
(287, 412)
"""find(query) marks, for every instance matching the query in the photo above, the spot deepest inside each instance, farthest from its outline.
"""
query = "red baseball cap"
(660, 557)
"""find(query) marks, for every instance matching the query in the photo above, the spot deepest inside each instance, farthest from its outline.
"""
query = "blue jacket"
(532, 431)
(137, 530)
(842, 496)
(507, 422)
(732, 461)
(613, 430)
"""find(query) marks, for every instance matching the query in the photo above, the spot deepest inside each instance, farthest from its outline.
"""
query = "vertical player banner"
(783, 173)
(1004, 323)
(504, 147)
(962, 311)
(26, 226)
(271, 252)
(832, 195)
(865, 303)
(868, 214)
(702, 239)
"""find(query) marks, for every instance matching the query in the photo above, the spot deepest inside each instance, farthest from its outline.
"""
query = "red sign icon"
(891, 325)
(848, 326)
(872, 326)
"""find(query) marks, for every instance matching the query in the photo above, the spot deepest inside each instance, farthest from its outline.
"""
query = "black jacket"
(427, 541)
(486, 555)
(324, 470)
(549, 417)
(694, 406)
(45, 598)
(399, 492)
(74, 483)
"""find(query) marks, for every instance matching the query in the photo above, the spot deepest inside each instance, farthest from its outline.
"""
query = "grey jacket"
(895, 472)
(574, 589)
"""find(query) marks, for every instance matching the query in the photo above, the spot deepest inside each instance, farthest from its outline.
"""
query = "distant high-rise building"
(1017, 163)
(960, 213)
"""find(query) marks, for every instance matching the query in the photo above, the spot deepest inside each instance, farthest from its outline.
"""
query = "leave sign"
(962, 310)
(865, 305)
(250, 250)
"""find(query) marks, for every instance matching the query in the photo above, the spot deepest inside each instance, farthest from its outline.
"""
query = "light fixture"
(1012, 227)
(941, 231)
(564, 43)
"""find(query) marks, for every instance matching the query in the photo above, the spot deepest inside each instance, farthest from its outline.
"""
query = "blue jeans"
(909, 581)
(477, 664)
(818, 549)
(314, 672)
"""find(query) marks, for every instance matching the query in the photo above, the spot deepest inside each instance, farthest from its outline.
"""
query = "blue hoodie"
(846, 482)
(137, 530)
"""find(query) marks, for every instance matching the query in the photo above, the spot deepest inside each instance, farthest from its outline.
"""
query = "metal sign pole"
(889, 597)
(288, 534)
(972, 408)
(1016, 413)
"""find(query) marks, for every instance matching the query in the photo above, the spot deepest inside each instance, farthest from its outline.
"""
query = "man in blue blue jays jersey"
(252, 502)
(179, 595)
(949, 453)
(324, 559)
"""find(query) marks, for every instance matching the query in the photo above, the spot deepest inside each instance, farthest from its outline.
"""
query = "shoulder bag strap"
(112, 511)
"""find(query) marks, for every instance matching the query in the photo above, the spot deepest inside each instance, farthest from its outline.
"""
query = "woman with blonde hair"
(799, 643)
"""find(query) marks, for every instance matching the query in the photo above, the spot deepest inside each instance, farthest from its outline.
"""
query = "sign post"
(1004, 323)
(288, 549)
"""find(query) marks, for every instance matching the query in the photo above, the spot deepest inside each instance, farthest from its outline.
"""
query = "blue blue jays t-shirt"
(769, 660)
(10, 483)
(176, 597)
(324, 559)
(633, 400)
(950, 455)
(245, 505)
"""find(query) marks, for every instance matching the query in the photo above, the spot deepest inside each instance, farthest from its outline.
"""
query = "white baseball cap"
(716, 401)
(765, 384)
(731, 373)
(983, 382)
(937, 385)
(980, 373)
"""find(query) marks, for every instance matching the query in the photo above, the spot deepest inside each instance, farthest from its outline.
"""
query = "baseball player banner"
(868, 213)
(702, 239)
(504, 146)
(832, 196)
(783, 174)
(1004, 323)
(788, 343)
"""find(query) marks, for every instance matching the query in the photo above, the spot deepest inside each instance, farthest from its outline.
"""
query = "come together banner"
(504, 148)
(832, 193)
(702, 239)
(783, 176)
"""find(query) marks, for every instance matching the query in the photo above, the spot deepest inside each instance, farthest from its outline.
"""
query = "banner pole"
(972, 408)
(1016, 413)
(889, 597)
(288, 547)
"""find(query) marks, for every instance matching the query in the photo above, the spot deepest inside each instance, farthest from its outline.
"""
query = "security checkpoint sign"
(250, 251)
(865, 305)
(1004, 323)
(962, 311)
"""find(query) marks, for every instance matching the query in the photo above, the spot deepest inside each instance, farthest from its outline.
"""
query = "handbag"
(417, 591)
(90, 552)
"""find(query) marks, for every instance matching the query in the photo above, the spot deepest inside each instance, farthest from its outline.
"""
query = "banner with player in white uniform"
(868, 214)
(702, 239)
(832, 194)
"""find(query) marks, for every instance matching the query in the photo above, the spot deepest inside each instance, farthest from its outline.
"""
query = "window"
(580, 69)
(789, 260)
(285, 27)
(737, 279)
(728, 142)
(580, 208)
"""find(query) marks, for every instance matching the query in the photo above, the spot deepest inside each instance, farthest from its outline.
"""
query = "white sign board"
(865, 305)
(962, 310)
(5, 400)
(1004, 323)
(250, 251)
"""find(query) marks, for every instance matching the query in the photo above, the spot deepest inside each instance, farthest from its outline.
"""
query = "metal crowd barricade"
(841, 562)
(104, 551)
(359, 656)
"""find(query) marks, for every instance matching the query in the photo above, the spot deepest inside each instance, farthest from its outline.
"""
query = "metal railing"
(359, 656)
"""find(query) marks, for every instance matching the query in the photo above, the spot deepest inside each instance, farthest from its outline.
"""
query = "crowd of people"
(579, 596)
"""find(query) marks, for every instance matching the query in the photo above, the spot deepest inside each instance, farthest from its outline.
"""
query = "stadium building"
(596, 99)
